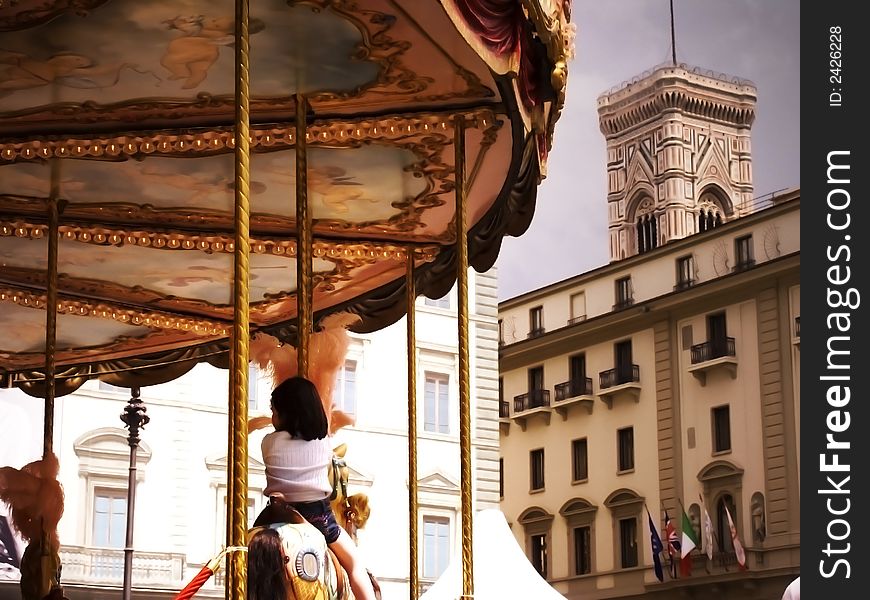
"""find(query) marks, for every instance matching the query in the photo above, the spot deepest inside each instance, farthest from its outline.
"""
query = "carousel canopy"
(122, 113)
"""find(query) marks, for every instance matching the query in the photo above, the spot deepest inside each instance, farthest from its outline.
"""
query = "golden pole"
(411, 298)
(466, 482)
(303, 240)
(237, 504)
(51, 311)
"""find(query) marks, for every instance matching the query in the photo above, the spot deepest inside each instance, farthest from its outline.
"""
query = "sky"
(616, 40)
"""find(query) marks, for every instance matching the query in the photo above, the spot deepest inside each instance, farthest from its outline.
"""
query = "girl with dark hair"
(267, 567)
(297, 456)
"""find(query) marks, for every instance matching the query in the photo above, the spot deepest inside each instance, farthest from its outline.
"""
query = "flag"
(673, 544)
(688, 543)
(657, 547)
(738, 547)
(708, 532)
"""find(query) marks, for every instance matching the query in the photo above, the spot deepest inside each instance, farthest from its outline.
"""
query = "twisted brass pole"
(303, 240)
(237, 505)
(411, 298)
(51, 310)
(466, 481)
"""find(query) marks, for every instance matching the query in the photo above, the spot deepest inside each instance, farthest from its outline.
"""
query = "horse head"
(351, 512)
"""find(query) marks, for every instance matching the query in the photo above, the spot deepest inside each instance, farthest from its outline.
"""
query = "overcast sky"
(616, 40)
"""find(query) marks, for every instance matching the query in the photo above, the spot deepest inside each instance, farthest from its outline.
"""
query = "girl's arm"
(339, 419)
(255, 423)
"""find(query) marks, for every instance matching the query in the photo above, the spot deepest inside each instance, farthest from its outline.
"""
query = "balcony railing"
(574, 388)
(106, 565)
(504, 409)
(713, 349)
(684, 284)
(531, 399)
(536, 332)
(577, 319)
(623, 303)
(619, 376)
(744, 264)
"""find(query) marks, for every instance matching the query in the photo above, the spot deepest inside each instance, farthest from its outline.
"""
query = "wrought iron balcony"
(618, 376)
(569, 393)
(106, 566)
(712, 355)
(623, 380)
(623, 303)
(713, 349)
(743, 265)
(684, 284)
(577, 319)
(573, 388)
(504, 409)
(531, 399)
(537, 332)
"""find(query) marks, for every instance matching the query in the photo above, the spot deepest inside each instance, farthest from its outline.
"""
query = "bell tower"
(679, 158)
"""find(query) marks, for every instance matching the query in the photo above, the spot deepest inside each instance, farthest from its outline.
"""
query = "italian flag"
(688, 543)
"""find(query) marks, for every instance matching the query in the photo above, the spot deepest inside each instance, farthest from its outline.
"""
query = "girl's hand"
(339, 419)
(255, 423)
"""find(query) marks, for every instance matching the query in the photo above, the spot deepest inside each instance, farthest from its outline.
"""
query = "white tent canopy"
(501, 569)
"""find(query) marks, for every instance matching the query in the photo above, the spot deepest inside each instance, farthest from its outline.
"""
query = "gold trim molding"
(120, 147)
(127, 316)
(102, 236)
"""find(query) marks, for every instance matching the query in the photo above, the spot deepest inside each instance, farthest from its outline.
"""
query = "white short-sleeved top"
(296, 469)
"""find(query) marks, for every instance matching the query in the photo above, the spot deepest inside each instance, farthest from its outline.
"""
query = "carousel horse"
(287, 553)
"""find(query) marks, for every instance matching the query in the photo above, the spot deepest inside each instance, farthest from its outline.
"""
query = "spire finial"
(673, 40)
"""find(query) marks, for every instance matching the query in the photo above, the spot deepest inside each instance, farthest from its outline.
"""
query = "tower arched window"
(647, 233)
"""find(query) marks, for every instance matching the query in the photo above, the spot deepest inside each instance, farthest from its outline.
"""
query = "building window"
(625, 449)
(539, 553)
(582, 550)
(744, 257)
(625, 371)
(721, 429)
(536, 321)
(110, 518)
(579, 517)
(578, 308)
(436, 546)
(537, 524)
(623, 292)
(500, 333)
(344, 396)
(579, 460)
(628, 542)
(717, 334)
(442, 302)
(536, 469)
(436, 401)
(685, 272)
(501, 478)
(253, 388)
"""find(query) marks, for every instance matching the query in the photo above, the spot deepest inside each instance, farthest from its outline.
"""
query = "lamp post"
(133, 417)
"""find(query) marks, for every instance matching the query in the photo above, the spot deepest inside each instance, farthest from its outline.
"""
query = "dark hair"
(299, 410)
(267, 567)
